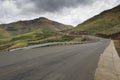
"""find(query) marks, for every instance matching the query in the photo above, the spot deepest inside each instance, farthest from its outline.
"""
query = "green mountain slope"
(107, 22)
(41, 24)
(25, 33)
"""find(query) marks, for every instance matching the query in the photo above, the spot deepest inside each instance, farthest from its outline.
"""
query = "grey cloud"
(14, 10)
(50, 5)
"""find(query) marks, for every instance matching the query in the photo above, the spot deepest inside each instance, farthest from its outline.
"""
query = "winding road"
(70, 62)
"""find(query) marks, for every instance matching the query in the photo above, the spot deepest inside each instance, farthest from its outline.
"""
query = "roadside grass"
(21, 40)
(78, 40)
(34, 38)
(58, 38)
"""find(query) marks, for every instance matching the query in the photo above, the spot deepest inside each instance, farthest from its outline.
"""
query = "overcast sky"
(70, 12)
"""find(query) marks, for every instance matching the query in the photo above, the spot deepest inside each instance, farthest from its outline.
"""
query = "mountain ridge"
(43, 24)
(107, 22)
(29, 32)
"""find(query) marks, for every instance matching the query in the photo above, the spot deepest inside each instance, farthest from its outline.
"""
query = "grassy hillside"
(30, 39)
(107, 22)
(41, 24)
(25, 33)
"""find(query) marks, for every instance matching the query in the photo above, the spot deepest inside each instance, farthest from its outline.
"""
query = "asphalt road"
(70, 62)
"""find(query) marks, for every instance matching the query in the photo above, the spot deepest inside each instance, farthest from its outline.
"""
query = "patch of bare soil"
(117, 45)
(118, 50)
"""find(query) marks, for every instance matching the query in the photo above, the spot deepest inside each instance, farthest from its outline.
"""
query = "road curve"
(70, 62)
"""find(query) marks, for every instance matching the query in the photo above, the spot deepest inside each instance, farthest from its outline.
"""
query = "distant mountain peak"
(43, 19)
(41, 24)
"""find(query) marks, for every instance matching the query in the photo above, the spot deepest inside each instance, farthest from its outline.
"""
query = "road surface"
(70, 62)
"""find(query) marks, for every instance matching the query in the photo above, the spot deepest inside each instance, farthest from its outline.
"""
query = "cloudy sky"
(70, 12)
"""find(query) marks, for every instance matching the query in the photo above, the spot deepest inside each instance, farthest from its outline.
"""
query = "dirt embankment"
(115, 37)
(117, 45)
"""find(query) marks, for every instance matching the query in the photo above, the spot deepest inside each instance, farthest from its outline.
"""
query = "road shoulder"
(109, 64)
